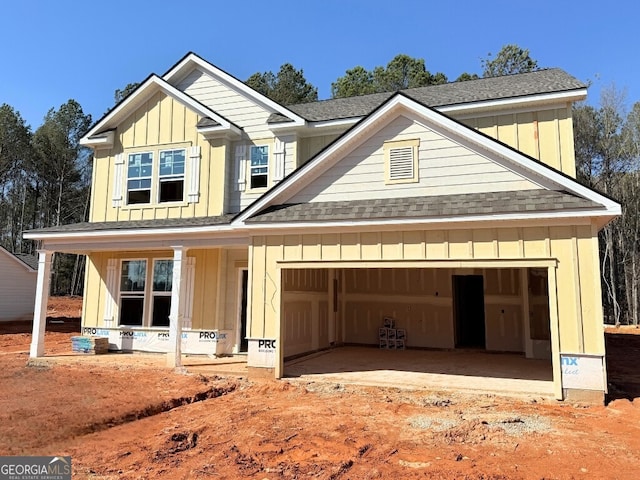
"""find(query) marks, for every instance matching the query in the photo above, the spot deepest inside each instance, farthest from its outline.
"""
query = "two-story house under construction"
(224, 223)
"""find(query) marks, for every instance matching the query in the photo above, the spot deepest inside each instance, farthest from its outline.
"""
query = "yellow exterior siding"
(546, 135)
(161, 123)
(205, 296)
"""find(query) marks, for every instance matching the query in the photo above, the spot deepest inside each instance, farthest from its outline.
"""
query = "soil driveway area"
(135, 421)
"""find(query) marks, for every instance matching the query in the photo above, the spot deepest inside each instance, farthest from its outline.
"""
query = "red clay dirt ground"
(136, 422)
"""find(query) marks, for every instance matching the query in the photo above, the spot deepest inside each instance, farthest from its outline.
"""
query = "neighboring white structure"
(18, 274)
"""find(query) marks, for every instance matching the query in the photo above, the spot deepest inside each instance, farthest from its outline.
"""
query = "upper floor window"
(171, 176)
(259, 166)
(139, 172)
(167, 182)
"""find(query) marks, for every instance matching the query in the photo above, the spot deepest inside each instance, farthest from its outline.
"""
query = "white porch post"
(40, 308)
(174, 354)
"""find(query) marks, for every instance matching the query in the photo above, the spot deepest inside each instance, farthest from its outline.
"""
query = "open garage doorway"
(466, 323)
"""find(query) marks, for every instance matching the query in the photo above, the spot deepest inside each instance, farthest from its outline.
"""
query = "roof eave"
(525, 101)
(584, 216)
(101, 141)
(232, 132)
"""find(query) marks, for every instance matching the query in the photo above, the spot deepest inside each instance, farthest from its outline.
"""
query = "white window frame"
(172, 176)
(130, 294)
(256, 167)
(390, 147)
(147, 294)
(139, 178)
(157, 293)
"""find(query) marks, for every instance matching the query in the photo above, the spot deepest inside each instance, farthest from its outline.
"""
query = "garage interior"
(480, 328)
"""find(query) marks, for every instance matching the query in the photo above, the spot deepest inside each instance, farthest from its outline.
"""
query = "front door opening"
(244, 343)
(468, 299)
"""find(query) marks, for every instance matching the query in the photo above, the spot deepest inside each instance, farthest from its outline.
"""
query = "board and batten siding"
(224, 100)
(160, 123)
(206, 300)
(17, 289)
(445, 167)
(573, 249)
(546, 135)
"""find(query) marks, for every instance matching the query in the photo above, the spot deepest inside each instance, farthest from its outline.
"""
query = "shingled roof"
(493, 88)
(138, 224)
(524, 201)
(29, 260)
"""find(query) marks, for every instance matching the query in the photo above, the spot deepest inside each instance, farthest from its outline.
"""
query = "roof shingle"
(138, 224)
(492, 88)
(524, 201)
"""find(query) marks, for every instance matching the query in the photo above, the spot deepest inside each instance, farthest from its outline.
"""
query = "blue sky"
(51, 51)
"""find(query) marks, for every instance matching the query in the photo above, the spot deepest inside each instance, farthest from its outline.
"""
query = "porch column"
(174, 353)
(40, 308)
(555, 333)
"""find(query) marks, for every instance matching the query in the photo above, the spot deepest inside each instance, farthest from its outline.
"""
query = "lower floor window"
(137, 294)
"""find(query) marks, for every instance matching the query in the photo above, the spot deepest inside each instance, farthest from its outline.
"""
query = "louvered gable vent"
(401, 163)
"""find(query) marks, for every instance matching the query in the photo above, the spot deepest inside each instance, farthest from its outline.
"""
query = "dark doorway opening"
(244, 343)
(468, 299)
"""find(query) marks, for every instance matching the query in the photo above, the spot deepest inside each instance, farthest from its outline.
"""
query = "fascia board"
(127, 233)
(134, 100)
(517, 102)
(584, 216)
(232, 81)
(105, 141)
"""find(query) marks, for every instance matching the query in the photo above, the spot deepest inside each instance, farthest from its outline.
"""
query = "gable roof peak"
(191, 61)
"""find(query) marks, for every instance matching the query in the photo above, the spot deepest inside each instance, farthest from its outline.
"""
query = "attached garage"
(445, 308)
(479, 311)
(478, 248)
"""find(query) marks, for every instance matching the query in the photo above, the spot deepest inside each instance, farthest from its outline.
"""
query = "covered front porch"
(169, 290)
